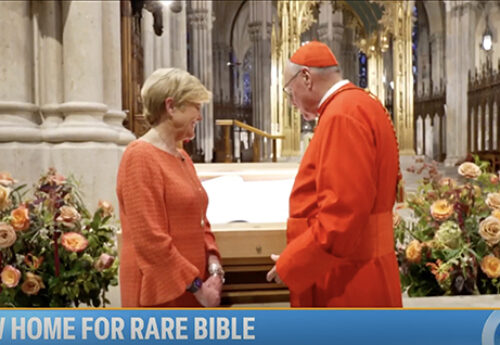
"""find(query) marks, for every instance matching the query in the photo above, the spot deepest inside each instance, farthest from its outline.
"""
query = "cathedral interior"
(71, 73)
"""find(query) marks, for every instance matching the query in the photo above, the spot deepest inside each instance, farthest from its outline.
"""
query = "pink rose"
(105, 261)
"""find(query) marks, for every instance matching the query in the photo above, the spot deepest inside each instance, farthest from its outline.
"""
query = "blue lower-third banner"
(227, 326)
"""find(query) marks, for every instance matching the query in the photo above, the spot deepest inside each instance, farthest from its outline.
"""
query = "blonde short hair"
(176, 83)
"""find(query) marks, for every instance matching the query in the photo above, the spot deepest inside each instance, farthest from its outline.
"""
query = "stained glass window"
(363, 70)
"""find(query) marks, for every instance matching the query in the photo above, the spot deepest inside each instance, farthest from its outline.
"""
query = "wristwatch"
(195, 285)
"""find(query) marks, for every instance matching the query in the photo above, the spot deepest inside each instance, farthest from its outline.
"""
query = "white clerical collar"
(334, 88)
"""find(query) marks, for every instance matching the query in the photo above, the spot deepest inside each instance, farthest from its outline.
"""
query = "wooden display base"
(246, 249)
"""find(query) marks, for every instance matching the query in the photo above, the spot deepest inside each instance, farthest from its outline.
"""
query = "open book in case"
(248, 209)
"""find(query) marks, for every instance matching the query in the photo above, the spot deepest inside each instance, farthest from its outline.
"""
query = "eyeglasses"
(285, 90)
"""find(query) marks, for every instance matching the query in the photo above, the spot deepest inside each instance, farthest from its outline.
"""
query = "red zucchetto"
(314, 54)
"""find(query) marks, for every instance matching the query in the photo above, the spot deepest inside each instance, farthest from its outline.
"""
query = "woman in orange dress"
(169, 257)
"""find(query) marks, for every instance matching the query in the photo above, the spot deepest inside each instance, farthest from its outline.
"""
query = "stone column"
(147, 35)
(200, 19)
(84, 106)
(178, 38)
(459, 60)
(349, 56)
(221, 80)
(50, 66)
(437, 55)
(19, 117)
(331, 29)
(260, 34)
(112, 70)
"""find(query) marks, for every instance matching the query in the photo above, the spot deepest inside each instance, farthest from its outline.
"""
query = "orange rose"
(105, 261)
(20, 218)
(493, 200)
(441, 210)
(489, 229)
(32, 284)
(491, 266)
(10, 276)
(7, 235)
(106, 207)
(68, 216)
(414, 251)
(469, 170)
(74, 242)
(4, 198)
(6, 179)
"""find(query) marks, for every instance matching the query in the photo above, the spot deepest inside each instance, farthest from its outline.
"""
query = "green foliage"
(58, 241)
(445, 246)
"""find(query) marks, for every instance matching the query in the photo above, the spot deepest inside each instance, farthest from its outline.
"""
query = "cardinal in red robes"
(340, 243)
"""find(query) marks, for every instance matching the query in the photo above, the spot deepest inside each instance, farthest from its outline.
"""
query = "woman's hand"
(209, 293)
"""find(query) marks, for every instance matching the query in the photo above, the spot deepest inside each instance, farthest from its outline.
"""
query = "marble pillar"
(260, 35)
(19, 117)
(50, 64)
(148, 42)
(201, 20)
(437, 55)
(460, 18)
(331, 29)
(83, 106)
(112, 77)
(178, 38)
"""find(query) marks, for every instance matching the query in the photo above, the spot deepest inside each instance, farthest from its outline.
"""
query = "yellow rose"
(20, 218)
(469, 170)
(496, 214)
(106, 207)
(10, 276)
(489, 229)
(4, 198)
(441, 210)
(6, 179)
(32, 284)
(68, 216)
(491, 266)
(493, 200)
(7, 235)
(414, 251)
(74, 242)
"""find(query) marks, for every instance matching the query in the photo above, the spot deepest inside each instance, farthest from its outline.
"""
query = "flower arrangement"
(450, 243)
(53, 252)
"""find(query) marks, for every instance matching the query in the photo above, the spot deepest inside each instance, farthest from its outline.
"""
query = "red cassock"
(340, 250)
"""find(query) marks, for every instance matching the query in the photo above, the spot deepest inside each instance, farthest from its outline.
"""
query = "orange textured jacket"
(340, 250)
(166, 236)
